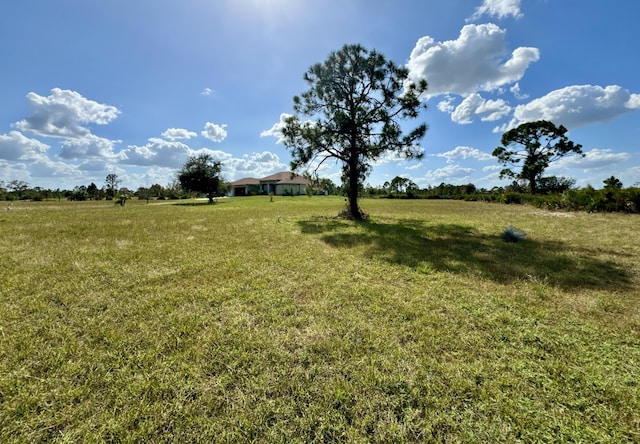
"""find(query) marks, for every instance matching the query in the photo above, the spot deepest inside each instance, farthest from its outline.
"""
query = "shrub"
(512, 198)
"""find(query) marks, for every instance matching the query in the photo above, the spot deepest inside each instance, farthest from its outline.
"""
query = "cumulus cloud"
(595, 159)
(577, 105)
(64, 114)
(178, 133)
(475, 106)
(474, 62)
(254, 165)
(89, 146)
(446, 105)
(15, 169)
(16, 146)
(453, 173)
(276, 129)
(207, 92)
(214, 132)
(464, 152)
(158, 152)
(38, 168)
(498, 8)
(47, 168)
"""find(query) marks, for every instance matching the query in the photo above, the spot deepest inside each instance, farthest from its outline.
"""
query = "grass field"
(262, 321)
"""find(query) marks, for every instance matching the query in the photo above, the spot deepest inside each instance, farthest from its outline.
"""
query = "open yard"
(252, 320)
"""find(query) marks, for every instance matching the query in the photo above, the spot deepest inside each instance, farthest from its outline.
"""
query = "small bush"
(512, 198)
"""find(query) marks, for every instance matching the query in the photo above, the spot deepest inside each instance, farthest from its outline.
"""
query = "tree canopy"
(355, 105)
(612, 183)
(534, 145)
(201, 174)
(112, 181)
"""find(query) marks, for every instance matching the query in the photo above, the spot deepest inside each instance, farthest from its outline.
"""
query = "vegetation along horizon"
(269, 319)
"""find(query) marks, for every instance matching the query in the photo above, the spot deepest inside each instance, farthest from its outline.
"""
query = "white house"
(280, 184)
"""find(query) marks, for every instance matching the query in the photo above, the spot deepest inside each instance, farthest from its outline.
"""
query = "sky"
(134, 88)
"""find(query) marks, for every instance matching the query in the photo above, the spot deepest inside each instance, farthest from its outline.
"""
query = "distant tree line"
(111, 190)
(551, 192)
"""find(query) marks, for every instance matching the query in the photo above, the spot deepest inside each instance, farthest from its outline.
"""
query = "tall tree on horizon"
(201, 174)
(355, 105)
(534, 145)
(112, 181)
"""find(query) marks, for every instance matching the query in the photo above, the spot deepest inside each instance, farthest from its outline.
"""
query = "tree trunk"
(352, 192)
(533, 186)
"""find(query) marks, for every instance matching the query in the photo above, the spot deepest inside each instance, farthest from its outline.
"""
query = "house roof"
(246, 181)
(286, 178)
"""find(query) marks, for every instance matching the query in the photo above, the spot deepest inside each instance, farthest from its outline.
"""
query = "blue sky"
(134, 87)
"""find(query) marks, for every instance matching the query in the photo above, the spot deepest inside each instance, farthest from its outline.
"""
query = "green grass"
(262, 321)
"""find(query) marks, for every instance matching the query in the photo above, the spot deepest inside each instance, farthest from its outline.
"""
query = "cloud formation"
(89, 146)
(595, 159)
(498, 8)
(214, 132)
(158, 152)
(475, 106)
(178, 133)
(64, 114)
(576, 106)
(276, 129)
(465, 152)
(254, 165)
(472, 63)
(16, 146)
(452, 173)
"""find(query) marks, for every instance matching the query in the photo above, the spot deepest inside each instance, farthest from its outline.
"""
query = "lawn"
(259, 321)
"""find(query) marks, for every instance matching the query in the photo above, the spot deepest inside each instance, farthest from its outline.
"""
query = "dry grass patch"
(252, 320)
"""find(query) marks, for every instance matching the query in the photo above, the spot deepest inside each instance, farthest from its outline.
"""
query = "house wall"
(295, 189)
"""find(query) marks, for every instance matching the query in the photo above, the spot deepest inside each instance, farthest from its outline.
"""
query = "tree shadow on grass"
(462, 249)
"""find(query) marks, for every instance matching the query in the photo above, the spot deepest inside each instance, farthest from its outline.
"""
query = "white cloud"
(64, 114)
(595, 159)
(474, 62)
(90, 146)
(465, 152)
(453, 173)
(394, 157)
(16, 146)
(100, 165)
(633, 102)
(492, 168)
(218, 155)
(14, 170)
(276, 129)
(36, 169)
(517, 93)
(474, 106)
(178, 133)
(446, 105)
(254, 165)
(158, 152)
(498, 8)
(46, 168)
(214, 132)
(578, 105)
(207, 92)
